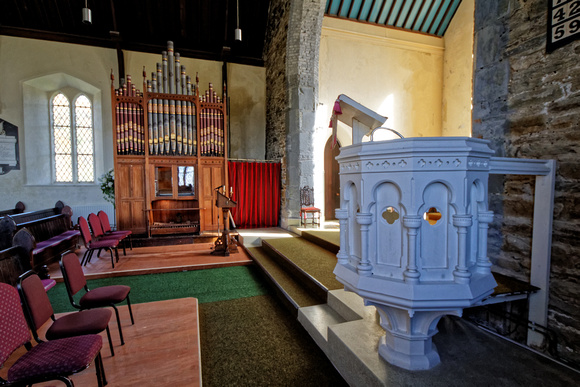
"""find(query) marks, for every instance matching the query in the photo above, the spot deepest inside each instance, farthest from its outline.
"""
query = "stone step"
(289, 289)
(350, 305)
(316, 320)
(309, 263)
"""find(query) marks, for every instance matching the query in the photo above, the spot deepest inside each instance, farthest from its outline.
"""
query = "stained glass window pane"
(62, 138)
(84, 139)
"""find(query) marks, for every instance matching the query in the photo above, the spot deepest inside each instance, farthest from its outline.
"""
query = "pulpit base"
(408, 340)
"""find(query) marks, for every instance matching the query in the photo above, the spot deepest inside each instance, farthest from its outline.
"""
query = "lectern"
(226, 243)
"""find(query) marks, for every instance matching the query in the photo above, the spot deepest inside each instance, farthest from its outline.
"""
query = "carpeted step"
(289, 289)
(329, 239)
(311, 264)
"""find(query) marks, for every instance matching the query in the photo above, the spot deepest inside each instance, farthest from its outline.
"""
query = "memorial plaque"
(9, 159)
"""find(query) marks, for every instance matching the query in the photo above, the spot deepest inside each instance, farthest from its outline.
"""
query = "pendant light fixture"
(87, 17)
(238, 31)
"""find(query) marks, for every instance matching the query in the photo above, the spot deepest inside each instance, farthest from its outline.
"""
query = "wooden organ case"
(171, 152)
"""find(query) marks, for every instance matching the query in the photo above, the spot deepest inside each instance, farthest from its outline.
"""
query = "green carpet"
(208, 285)
(255, 342)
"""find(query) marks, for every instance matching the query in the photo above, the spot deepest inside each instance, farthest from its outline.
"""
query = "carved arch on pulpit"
(437, 241)
(387, 251)
(350, 202)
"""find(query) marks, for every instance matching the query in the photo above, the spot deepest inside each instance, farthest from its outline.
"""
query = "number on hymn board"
(564, 22)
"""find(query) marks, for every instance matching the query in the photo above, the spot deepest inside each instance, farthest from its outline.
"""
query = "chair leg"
(101, 378)
(112, 259)
(91, 252)
(130, 310)
(84, 260)
(110, 341)
(65, 380)
(119, 324)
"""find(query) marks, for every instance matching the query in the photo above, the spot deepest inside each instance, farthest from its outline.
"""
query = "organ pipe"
(171, 120)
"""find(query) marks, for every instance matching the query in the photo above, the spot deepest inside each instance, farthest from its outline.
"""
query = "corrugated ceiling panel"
(426, 16)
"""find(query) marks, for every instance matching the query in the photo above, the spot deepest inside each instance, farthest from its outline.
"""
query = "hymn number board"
(563, 23)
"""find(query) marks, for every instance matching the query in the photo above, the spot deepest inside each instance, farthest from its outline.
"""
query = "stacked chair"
(49, 360)
(106, 296)
(102, 235)
(106, 226)
(92, 244)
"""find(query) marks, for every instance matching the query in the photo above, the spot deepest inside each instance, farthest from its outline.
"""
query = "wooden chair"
(49, 360)
(106, 296)
(307, 207)
(92, 245)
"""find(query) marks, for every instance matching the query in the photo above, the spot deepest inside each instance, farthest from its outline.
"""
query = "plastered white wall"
(395, 73)
(458, 72)
(27, 68)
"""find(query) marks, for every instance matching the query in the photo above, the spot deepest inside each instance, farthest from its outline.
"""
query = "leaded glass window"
(72, 132)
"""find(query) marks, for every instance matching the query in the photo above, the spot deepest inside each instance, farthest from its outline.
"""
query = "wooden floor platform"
(161, 349)
(155, 259)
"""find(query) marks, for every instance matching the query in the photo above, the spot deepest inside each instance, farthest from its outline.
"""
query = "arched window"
(73, 145)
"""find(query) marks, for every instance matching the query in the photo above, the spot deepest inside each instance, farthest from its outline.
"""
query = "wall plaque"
(563, 23)
(9, 158)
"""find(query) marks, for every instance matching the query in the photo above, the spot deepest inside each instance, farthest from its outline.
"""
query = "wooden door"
(130, 195)
(331, 180)
(212, 176)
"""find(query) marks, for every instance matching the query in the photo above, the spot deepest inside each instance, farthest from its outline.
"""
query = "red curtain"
(256, 189)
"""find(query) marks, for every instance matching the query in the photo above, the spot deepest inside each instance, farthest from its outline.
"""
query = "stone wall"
(276, 98)
(527, 102)
(275, 61)
(291, 57)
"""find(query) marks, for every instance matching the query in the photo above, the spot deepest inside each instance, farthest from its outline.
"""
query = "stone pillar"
(342, 216)
(412, 224)
(461, 273)
(483, 263)
(364, 267)
(302, 53)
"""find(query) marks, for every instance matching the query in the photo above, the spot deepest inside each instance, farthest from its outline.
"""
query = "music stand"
(226, 243)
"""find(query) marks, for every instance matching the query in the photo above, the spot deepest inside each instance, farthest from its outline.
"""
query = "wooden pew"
(16, 260)
(51, 230)
(29, 216)
(18, 209)
(11, 264)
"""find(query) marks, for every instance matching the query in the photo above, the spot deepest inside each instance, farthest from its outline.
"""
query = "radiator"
(84, 211)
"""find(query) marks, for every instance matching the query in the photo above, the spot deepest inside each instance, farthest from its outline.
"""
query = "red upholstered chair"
(92, 245)
(38, 310)
(307, 207)
(50, 360)
(106, 225)
(98, 232)
(74, 279)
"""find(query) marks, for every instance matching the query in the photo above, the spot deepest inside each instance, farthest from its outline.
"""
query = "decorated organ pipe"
(129, 120)
(168, 124)
(178, 129)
